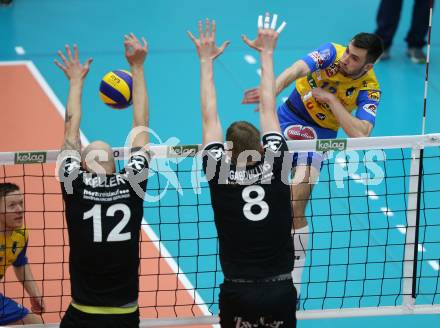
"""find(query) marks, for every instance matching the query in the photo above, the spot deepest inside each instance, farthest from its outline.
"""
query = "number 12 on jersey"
(115, 234)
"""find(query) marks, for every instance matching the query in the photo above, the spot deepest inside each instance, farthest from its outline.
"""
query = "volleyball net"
(374, 245)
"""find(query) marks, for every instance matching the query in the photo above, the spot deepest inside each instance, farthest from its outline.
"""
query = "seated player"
(13, 246)
(104, 209)
(250, 196)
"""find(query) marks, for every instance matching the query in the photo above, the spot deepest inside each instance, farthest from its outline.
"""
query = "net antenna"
(416, 180)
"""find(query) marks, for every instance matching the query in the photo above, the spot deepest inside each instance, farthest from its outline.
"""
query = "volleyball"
(115, 89)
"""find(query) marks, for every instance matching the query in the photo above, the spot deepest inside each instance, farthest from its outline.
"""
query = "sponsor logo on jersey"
(370, 108)
(332, 70)
(300, 132)
(260, 322)
(14, 247)
(325, 54)
(273, 142)
(374, 95)
(216, 153)
(320, 116)
(309, 105)
(316, 58)
(137, 162)
(350, 91)
(331, 144)
(71, 165)
(30, 157)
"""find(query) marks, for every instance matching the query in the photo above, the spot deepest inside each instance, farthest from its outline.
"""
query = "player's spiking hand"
(135, 52)
(72, 67)
(267, 35)
(205, 45)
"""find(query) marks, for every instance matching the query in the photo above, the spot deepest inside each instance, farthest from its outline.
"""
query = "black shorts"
(74, 318)
(258, 304)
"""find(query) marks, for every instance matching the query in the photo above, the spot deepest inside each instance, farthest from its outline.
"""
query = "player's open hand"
(71, 66)
(267, 35)
(205, 45)
(135, 51)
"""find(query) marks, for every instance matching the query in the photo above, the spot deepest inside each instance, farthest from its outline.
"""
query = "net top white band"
(164, 151)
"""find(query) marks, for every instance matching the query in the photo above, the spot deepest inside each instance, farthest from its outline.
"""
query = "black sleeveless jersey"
(104, 215)
(252, 210)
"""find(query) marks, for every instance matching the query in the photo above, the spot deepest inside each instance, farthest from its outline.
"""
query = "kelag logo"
(183, 151)
(331, 144)
(30, 157)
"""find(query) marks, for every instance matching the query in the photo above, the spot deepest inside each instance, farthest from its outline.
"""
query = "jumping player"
(250, 195)
(104, 209)
(331, 82)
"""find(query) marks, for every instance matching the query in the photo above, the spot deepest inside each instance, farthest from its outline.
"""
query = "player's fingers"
(61, 55)
(260, 22)
(251, 91)
(247, 100)
(192, 37)
(144, 43)
(250, 100)
(68, 52)
(207, 26)
(56, 62)
(281, 28)
(135, 39)
(213, 29)
(224, 45)
(274, 21)
(75, 51)
(127, 39)
(88, 62)
(266, 20)
(200, 28)
(246, 40)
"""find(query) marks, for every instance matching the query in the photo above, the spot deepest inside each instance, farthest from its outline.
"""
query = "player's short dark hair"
(244, 136)
(370, 42)
(7, 188)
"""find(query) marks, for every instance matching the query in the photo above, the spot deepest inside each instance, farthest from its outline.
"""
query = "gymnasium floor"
(34, 30)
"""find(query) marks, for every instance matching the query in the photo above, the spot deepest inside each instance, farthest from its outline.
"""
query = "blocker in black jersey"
(252, 210)
(104, 215)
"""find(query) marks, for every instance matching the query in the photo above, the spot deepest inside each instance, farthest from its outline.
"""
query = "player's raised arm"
(265, 44)
(286, 78)
(135, 53)
(208, 51)
(76, 73)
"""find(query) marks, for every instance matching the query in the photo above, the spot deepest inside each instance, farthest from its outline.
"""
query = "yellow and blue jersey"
(12, 252)
(361, 94)
(13, 249)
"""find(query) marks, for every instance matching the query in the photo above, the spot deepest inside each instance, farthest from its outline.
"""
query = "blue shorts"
(10, 311)
(294, 127)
